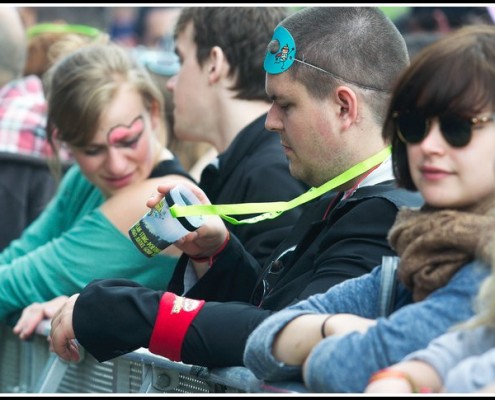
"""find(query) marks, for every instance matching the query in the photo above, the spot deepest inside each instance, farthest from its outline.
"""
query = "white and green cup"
(158, 229)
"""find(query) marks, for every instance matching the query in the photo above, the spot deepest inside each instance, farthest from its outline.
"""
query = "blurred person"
(122, 28)
(49, 41)
(163, 64)
(24, 149)
(423, 25)
(155, 27)
(442, 20)
(98, 17)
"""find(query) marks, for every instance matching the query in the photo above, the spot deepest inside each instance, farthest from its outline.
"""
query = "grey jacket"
(464, 359)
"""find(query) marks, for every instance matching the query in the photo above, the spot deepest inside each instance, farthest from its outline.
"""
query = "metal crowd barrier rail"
(29, 367)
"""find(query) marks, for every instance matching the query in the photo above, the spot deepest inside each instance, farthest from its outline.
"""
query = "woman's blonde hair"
(80, 85)
(485, 301)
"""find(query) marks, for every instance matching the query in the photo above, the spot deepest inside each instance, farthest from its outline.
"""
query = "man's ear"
(347, 100)
(216, 64)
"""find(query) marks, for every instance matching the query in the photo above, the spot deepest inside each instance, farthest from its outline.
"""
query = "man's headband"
(281, 54)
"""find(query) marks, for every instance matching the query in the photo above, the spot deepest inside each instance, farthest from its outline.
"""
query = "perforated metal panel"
(10, 360)
(29, 367)
(21, 362)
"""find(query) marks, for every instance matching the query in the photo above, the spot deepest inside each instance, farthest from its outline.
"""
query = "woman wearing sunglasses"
(106, 110)
(441, 126)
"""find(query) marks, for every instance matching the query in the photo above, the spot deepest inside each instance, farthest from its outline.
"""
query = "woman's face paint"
(126, 136)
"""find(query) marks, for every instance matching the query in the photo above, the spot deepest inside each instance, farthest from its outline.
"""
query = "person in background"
(154, 26)
(105, 109)
(26, 183)
(98, 17)
(441, 126)
(219, 54)
(163, 63)
(442, 20)
(49, 41)
(422, 26)
(330, 85)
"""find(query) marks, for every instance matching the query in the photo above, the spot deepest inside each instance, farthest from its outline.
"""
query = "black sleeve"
(218, 334)
(114, 316)
(268, 183)
(232, 276)
(353, 246)
(351, 243)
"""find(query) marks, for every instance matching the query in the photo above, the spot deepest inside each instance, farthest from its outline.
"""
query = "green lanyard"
(272, 210)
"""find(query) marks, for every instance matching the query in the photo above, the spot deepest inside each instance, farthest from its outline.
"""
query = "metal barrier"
(29, 367)
(22, 362)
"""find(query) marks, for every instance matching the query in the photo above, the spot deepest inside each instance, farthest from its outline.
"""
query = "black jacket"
(26, 187)
(349, 242)
(253, 169)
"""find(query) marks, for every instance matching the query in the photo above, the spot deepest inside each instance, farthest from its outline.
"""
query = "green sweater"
(67, 246)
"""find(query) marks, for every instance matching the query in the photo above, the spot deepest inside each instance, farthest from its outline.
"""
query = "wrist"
(211, 259)
(323, 324)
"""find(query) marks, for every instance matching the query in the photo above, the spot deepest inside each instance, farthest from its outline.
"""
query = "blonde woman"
(107, 112)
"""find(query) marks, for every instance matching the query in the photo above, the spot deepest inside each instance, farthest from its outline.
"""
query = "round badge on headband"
(281, 52)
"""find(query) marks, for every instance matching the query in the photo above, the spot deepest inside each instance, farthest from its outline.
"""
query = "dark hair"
(423, 18)
(359, 44)
(455, 75)
(242, 34)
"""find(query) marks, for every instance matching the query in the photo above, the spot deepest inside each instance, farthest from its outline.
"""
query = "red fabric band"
(175, 314)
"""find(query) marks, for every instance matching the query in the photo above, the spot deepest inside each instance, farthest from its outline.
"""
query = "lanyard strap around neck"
(272, 210)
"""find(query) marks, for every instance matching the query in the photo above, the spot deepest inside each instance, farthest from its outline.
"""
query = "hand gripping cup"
(158, 229)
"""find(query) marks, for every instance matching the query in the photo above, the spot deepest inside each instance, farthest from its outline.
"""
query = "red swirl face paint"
(126, 135)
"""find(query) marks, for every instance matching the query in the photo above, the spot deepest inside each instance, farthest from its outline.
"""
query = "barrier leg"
(52, 375)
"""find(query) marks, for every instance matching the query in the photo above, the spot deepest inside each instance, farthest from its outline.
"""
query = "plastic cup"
(158, 229)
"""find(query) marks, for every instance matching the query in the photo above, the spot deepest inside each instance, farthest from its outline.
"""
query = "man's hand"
(62, 337)
(208, 238)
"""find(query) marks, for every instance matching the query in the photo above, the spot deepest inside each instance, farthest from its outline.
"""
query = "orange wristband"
(393, 373)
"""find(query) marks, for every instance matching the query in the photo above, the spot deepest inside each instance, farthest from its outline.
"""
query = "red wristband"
(175, 314)
(211, 259)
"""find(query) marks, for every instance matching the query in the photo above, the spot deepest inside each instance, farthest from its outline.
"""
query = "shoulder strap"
(388, 284)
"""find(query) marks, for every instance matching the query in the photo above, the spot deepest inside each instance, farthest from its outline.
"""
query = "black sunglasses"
(412, 127)
(270, 276)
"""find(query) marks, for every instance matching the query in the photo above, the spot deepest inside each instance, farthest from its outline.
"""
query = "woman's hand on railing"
(33, 314)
